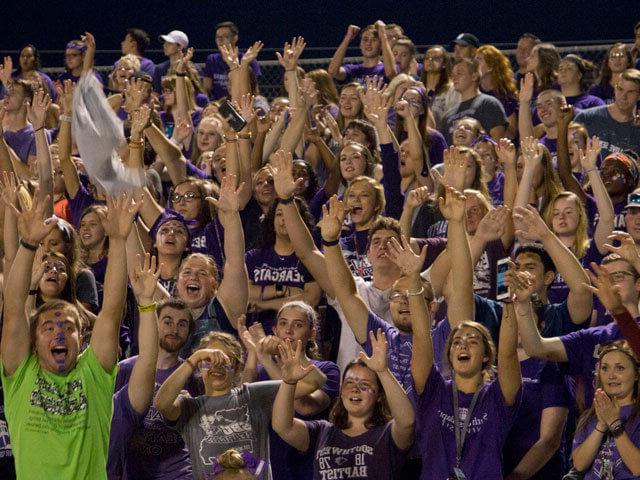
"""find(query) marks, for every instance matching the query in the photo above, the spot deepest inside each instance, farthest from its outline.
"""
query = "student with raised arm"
(67, 437)
(371, 425)
(472, 448)
(132, 400)
(370, 48)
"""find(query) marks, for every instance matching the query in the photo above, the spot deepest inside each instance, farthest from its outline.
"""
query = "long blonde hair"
(581, 243)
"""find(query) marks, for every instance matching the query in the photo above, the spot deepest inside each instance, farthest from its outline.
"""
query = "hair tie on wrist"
(28, 246)
(285, 201)
(38, 129)
(290, 383)
(33, 292)
(330, 243)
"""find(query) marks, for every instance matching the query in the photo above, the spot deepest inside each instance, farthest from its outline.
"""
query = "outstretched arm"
(69, 170)
(143, 376)
(508, 364)
(525, 123)
(117, 223)
(335, 68)
(37, 113)
(15, 344)
(565, 173)
(387, 54)
(234, 288)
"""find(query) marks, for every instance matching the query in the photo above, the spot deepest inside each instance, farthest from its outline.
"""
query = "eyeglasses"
(361, 385)
(398, 297)
(617, 55)
(188, 197)
(618, 276)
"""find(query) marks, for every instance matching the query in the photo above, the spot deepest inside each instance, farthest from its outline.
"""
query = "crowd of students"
(409, 267)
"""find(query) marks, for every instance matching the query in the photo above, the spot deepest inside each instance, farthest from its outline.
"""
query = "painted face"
(467, 353)
(187, 200)
(369, 44)
(196, 283)
(171, 238)
(292, 324)
(57, 341)
(462, 78)
(352, 162)
(208, 134)
(632, 219)
(350, 104)
(361, 201)
(54, 279)
(617, 59)
(402, 56)
(414, 99)
(206, 164)
(91, 231)
(565, 217)
(614, 176)
(617, 374)
(173, 329)
(225, 36)
(379, 248)
(263, 189)
(488, 157)
(624, 277)
(523, 50)
(464, 133)
(359, 391)
(474, 212)
(222, 377)
(72, 58)
(627, 94)
(548, 107)
(27, 59)
(434, 60)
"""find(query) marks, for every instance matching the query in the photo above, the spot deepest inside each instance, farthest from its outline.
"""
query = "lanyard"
(461, 432)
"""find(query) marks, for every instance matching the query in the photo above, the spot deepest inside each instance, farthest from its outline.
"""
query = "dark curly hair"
(267, 237)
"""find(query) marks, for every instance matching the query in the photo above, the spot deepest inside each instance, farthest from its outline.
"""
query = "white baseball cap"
(176, 36)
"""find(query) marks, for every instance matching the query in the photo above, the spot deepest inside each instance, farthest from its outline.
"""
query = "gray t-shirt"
(614, 136)
(240, 420)
(486, 109)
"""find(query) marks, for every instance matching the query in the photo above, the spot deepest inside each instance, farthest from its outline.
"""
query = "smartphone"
(232, 116)
(502, 291)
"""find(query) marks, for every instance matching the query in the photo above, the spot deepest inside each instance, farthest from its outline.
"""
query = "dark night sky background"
(322, 23)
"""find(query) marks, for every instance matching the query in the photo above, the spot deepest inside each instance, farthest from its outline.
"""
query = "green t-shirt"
(59, 424)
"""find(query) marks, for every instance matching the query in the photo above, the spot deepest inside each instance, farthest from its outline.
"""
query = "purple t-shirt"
(286, 462)
(77, 204)
(608, 457)
(217, 70)
(354, 251)
(372, 454)
(436, 150)
(558, 291)
(543, 386)
(584, 101)
(209, 240)
(496, 188)
(266, 267)
(69, 76)
(22, 141)
(155, 450)
(605, 92)
(552, 146)
(357, 72)
(123, 423)
(482, 452)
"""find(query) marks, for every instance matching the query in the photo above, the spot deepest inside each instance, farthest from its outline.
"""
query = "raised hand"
(308, 92)
(402, 255)
(531, 151)
(6, 69)
(281, 168)
(566, 117)
(455, 168)
(521, 284)
(506, 152)
(264, 124)
(605, 288)
(135, 91)
(121, 211)
(379, 349)
(37, 109)
(352, 32)
(291, 362)
(291, 53)
(529, 225)
(589, 159)
(9, 188)
(65, 96)
(228, 200)
(526, 88)
(627, 249)
(145, 278)
(245, 107)
(182, 130)
(376, 105)
(183, 61)
(251, 54)
(247, 339)
(417, 197)
(89, 41)
(332, 219)
(37, 269)
(230, 56)
(212, 358)
(493, 224)
(140, 119)
(32, 227)
(452, 206)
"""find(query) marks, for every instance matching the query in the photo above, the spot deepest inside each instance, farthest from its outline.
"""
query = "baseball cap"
(467, 39)
(633, 200)
(176, 36)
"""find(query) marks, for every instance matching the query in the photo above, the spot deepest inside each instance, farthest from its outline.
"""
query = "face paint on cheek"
(619, 178)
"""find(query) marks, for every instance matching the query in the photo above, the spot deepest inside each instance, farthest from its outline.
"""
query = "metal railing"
(271, 79)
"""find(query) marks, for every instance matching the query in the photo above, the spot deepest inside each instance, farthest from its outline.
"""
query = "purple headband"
(484, 138)
(75, 46)
(251, 463)
(423, 95)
